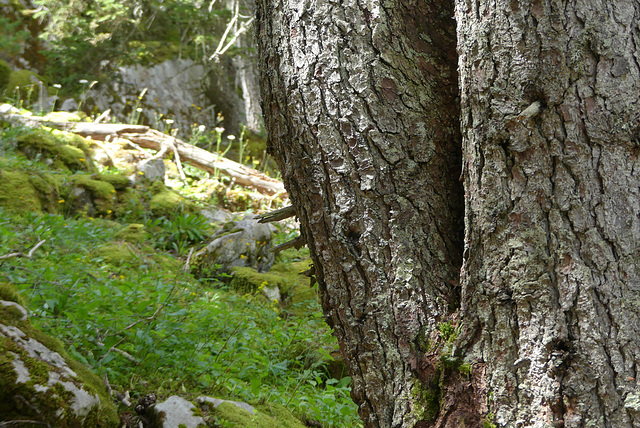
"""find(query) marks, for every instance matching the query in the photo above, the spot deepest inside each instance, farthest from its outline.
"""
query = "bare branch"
(19, 254)
(297, 242)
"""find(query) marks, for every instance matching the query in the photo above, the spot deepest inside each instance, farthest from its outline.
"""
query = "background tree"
(360, 105)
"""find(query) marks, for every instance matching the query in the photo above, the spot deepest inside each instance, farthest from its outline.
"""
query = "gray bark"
(550, 279)
(360, 103)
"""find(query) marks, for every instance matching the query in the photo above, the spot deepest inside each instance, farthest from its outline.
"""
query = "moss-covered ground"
(108, 284)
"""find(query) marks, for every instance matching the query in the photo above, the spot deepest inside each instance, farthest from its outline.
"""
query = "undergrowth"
(146, 326)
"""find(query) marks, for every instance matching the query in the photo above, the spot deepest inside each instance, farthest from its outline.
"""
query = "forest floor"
(109, 281)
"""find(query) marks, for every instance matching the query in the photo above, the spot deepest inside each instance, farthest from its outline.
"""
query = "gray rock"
(175, 412)
(69, 105)
(48, 104)
(152, 169)
(217, 215)
(238, 243)
(17, 306)
(40, 391)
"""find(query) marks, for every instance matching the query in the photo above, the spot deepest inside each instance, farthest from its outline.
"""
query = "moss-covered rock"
(168, 203)
(62, 116)
(5, 72)
(115, 253)
(60, 150)
(17, 194)
(264, 416)
(24, 84)
(102, 196)
(118, 181)
(134, 233)
(38, 380)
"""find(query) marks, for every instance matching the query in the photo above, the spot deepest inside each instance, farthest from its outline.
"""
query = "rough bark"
(360, 103)
(550, 278)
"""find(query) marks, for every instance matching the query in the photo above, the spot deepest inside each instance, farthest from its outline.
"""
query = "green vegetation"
(111, 288)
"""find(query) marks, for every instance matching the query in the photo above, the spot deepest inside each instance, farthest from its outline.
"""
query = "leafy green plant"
(179, 232)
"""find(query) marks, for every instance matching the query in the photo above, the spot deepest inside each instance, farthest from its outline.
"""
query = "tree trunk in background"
(550, 281)
(360, 104)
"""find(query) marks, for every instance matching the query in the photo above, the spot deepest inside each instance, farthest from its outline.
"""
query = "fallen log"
(210, 162)
(149, 138)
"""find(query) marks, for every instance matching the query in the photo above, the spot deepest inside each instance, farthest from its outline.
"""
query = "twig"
(20, 254)
(125, 354)
(178, 163)
(106, 382)
(185, 268)
(21, 422)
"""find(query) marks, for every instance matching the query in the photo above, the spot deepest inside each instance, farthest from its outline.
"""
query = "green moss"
(50, 189)
(280, 414)
(248, 280)
(53, 403)
(130, 204)
(62, 116)
(118, 181)
(115, 254)
(99, 189)
(168, 203)
(66, 151)
(27, 83)
(5, 72)
(427, 399)
(488, 421)
(103, 194)
(134, 233)
(465, 369)
(267, 416)
(17, 194)
(10, 294)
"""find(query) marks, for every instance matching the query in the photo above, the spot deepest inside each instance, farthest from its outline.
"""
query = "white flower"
(57, 86)
(83, 81)
(201, 128)
(231, 137)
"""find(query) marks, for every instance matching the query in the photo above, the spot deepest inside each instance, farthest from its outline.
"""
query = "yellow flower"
(60, 201)
(242, 256)
(140, 172)
(82, 159)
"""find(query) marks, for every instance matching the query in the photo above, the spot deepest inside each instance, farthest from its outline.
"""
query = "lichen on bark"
(365, 133)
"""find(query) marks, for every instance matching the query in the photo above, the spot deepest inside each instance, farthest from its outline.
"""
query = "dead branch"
(277, 215)
(28, 255)
(297, 243)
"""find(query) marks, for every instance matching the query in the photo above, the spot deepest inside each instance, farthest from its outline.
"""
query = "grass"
(123, 306)
(148, 327)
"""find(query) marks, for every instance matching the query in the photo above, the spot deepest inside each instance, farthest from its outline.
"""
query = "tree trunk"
(551, 133)
(360, 105)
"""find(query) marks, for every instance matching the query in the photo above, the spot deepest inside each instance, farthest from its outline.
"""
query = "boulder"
(39, 382)
(238, 243)
(152, 169)
(176, 412)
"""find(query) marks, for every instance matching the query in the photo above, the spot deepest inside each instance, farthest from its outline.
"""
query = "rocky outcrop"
(39, 383)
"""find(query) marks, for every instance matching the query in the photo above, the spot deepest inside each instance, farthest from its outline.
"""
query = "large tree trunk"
(551, 129)
(360, 102)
